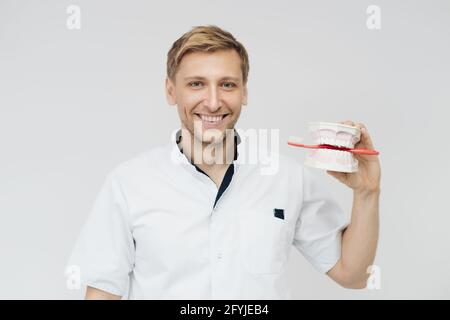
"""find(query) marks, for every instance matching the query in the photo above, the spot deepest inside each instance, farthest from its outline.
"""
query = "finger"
(341, 176)
(366, 140)
(348, 122)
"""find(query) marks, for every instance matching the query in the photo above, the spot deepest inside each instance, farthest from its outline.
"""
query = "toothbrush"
(328, 146)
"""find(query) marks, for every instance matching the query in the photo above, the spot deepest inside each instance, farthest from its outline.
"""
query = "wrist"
(367, 193)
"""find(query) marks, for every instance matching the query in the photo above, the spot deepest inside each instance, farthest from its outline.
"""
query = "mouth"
(209, 121)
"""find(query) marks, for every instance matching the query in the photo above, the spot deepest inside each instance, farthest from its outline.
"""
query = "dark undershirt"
(228, 174)
(225, 181)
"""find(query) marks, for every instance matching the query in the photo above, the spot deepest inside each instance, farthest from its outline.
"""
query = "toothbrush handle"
(295, 144)
(356, 151)
(365, 151)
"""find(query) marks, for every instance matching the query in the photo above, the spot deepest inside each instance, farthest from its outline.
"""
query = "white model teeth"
(341, 160)
(335, 142)
(337, 135)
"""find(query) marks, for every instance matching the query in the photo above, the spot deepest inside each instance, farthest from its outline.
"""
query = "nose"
(212, 101)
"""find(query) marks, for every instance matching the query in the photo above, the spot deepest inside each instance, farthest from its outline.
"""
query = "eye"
(195, 84)
(229, 85)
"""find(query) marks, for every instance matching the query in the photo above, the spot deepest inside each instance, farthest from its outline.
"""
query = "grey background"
(76, 103)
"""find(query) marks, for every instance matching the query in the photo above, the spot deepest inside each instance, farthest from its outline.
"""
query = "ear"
(245, 95)
(170, 92)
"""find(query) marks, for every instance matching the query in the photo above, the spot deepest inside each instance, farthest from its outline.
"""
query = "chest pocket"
(263, 242)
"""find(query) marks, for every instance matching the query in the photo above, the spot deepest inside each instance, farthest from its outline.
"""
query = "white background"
(75, 103)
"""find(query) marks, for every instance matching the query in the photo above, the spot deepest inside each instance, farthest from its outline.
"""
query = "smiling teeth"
(211, 118)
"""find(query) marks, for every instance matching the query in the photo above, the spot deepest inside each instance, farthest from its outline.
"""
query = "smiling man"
(189, 221)
(209, 89)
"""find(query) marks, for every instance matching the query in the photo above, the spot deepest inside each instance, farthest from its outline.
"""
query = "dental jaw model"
(333, 146)
(333, 134)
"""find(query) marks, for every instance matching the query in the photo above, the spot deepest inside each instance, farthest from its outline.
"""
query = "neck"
(206, 155)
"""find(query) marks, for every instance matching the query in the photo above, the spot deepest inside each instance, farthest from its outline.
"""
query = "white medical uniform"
(155, 233)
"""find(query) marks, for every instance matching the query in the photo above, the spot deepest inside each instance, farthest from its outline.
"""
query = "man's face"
(209, 92)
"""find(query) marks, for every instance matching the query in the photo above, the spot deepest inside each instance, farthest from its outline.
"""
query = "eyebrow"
(203, 78)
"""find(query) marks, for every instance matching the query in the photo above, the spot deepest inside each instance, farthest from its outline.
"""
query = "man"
(187, 221)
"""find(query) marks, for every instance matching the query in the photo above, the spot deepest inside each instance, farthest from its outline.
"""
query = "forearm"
(97, 294)
(359, 241)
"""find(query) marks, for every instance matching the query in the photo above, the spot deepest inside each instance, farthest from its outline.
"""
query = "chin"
(212, 136)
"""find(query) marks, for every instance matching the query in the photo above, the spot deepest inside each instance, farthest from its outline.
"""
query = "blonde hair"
(205, 39)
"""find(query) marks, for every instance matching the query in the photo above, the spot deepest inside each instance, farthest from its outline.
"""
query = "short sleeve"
(318, 232)
(104, 251)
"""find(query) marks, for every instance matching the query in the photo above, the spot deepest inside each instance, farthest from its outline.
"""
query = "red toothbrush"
(328, 146)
